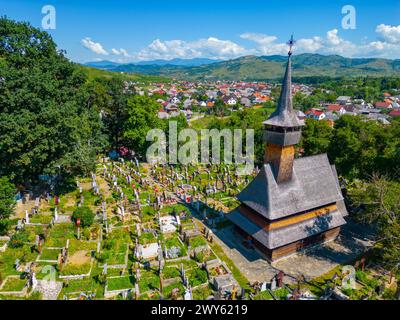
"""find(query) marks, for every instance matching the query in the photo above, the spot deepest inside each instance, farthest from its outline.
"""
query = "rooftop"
(314, 183)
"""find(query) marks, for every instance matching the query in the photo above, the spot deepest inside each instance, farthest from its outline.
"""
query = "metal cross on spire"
(291, 43)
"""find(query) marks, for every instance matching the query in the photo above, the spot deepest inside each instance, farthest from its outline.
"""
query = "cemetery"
(143, 231)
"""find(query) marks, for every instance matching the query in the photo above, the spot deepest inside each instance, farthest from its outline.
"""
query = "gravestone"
(33, 281)
(273, 283)
(263, 287)
(17, 265)
(188, 294)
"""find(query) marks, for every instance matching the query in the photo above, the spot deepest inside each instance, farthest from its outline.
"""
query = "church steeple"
(284, 116)
(283, 129)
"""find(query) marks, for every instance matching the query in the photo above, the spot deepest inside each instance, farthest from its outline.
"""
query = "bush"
(4, 226)
(85, 214)
(19, 239)
(199, 277)
(361, 276)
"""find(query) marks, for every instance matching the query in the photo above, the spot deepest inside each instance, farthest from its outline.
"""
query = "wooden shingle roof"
(314, 184)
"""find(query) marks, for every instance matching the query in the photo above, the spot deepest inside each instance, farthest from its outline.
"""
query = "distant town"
(197, 99)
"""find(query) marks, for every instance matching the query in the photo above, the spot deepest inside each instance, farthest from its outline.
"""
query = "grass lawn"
(147, 237)
(41, 218)
(59, 234)
(73, 269)
(174, 242)
(113, 252)
(197, 241)
(187, 264)
(170, 272)
(77, 245)
(197, 277)
(75, 287)
(148, 281)
(265, 295)
(7, 259)
(281, 293)
(50, 254)
(167, 290)
(119, 283)
(201, 293)
(116, 258)
(77, 263)
(14, 284)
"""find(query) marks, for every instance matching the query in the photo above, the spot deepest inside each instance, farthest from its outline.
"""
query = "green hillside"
(272, 67)
(98, 73)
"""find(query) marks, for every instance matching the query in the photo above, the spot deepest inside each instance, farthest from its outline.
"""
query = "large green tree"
(360, 148)
(7, 198)
(113, 101)
(47, 122)
(141, 117)
(316, 137)
(7, 203)
(379, 198)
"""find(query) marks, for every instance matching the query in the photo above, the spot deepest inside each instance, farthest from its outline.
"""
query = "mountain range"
(106, 65)
(253, 68)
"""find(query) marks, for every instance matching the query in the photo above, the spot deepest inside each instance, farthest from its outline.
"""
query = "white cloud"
(333, 38)
(332, 43)
(387, 45)
(95, 47)
(266, 44)
(211, 47)
(120, 52)
(390, 34)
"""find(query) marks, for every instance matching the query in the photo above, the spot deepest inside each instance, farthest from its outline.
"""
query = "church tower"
(283, 130)
(292, 203)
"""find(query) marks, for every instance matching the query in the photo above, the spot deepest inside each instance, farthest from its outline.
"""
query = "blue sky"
(123, 30)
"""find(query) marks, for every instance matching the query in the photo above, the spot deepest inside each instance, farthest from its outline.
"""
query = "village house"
(383, 104)
(174, 100)
(230, 100)
(336, 108)
(343, 100)
(245, 102)
(395, 113)
(316, 114)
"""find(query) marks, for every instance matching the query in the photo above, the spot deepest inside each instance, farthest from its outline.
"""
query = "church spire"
(283, 130)
(284, 116)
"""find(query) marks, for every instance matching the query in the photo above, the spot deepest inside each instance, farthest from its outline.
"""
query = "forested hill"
(270, 68)
(93, 73)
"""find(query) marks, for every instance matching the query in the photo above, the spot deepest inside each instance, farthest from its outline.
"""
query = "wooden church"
(292, 203)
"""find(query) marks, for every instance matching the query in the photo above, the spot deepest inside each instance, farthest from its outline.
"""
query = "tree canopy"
(360, 148)
(47, 120)
(7, 198)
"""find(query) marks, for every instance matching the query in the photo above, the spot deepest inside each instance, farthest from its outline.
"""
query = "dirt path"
(104, 187)
(21, 208)
(79, 258)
